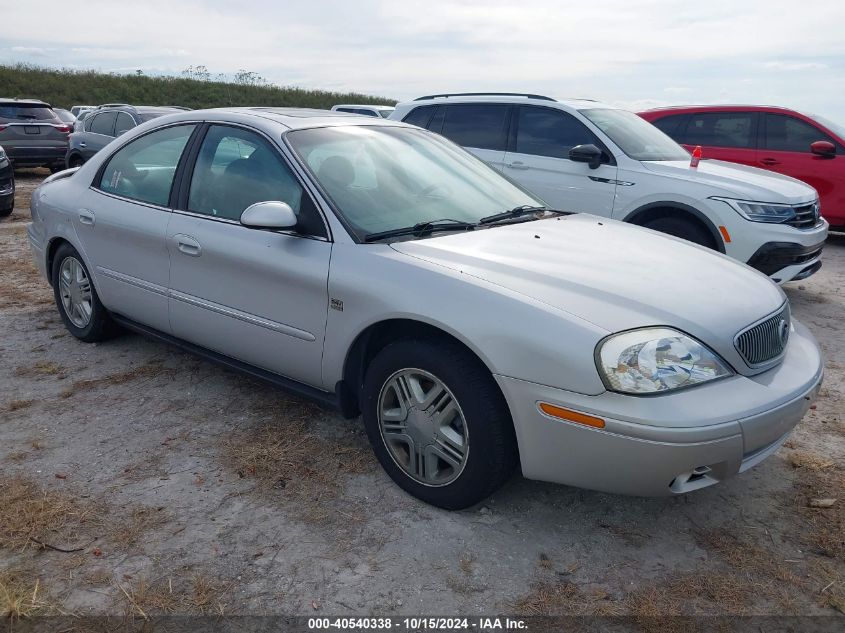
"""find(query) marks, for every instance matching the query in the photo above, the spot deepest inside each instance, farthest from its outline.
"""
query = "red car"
(806, 147)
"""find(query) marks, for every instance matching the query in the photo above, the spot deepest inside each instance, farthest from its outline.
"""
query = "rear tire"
(75, 161)
(454, 414)
(684, 228)
(76, 298)
(7, 212)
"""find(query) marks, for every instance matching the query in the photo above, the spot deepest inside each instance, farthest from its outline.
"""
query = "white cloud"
(787, 65)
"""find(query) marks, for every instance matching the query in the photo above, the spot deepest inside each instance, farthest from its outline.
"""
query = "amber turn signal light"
(571, 416)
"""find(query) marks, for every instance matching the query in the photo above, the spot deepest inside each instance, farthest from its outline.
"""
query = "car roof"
(507, 97)
(15, 100)
(716, 107)
(291, 118)
(363, 105)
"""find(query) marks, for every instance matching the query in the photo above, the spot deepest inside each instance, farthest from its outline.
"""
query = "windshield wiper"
(422, 228)
(516, 212)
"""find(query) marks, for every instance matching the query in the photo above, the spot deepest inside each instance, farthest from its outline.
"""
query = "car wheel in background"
(438, 422)
(77, 300)
(685, 229)
(75, 161)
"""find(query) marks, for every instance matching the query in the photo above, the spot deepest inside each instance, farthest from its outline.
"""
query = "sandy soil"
(185, 488)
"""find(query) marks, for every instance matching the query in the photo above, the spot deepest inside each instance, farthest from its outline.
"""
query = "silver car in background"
(380, 269)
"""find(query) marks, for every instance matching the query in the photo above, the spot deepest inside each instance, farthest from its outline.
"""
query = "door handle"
(83, 145)
(517, 165)
(770, 161)
(188, 245)
(86, 216)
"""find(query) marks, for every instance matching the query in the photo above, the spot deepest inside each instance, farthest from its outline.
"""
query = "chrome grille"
(766, 340)
(806, 217)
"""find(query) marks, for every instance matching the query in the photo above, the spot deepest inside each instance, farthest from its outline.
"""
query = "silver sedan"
(380, 269)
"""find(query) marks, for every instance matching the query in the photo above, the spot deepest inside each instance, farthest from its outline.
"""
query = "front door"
(785, 148)
(259, 296)
(540, 162)
(121, 222)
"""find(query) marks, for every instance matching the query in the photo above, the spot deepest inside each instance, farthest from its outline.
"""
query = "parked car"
(364, 110)
(7, 185)
(66, 116)
(32, 134)
(585, 156)
(313, 249)
(803, 146)
(103, 124)
(79, 109)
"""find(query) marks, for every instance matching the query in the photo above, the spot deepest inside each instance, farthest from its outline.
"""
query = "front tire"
(79, 305)
(438, 422)
(684, 228)
(75, 161)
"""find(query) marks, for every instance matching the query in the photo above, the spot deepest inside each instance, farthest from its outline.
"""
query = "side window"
(347, 110)
(788, 134)
(672, 126)
(143, 170)
(419, 116)
(236, 168)
(124, 123)
(548, 132)
(104, 123)
(721, 129)
(480, 126)
(364, 112)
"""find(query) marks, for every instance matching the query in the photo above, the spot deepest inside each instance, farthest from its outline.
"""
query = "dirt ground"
(135, 479)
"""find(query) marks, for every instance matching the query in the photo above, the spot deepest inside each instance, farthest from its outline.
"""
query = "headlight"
(653, 360)
(761, 211)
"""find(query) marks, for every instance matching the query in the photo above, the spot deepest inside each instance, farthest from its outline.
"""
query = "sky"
(631, 53)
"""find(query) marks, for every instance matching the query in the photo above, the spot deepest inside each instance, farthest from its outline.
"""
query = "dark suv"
(7, 185)
(32, 134)
(105, 123)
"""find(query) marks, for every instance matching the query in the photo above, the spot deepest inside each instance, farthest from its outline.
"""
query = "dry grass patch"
(198, 595)
(152, 369)
(21, 595)
(826, 525)
(34, 517)
(17, 405)
(21, 286)
(40, 368)
(290, 458)
(134, 524)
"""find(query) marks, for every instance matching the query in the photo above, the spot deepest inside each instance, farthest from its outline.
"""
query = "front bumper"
(668, 444)
(787, 261)
(788, 246)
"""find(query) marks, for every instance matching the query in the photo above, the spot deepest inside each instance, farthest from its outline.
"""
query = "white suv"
(585, 156)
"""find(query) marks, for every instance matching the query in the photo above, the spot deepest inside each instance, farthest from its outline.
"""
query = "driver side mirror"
(825, 149)
(588, 153)
(269, 215)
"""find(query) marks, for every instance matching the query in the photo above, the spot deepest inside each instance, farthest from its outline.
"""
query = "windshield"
(635, 136)
(836, 128)
(382, 178)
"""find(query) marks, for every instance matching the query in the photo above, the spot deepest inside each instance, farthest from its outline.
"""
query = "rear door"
(785, 148)
(99, 130)
(482, 128)
(121, 221)
(539, 161)
(260, 296)
(728, 135)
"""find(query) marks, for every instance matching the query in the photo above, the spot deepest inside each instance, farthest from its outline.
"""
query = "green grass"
(64, 88)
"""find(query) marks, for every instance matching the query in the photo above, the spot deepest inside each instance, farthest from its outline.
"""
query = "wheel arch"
(375, 337)
(655, 210)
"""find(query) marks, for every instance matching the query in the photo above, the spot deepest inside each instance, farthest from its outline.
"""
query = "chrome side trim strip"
(133, 281)
(243, 316)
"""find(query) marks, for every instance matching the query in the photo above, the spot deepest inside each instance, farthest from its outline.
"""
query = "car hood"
(738, 181)
(614, 275)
